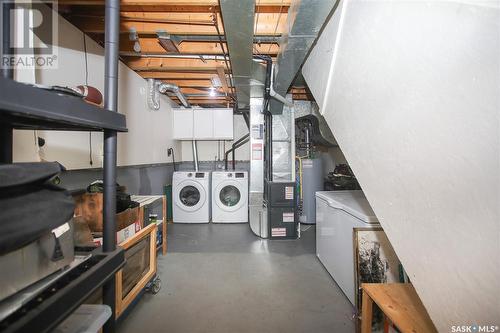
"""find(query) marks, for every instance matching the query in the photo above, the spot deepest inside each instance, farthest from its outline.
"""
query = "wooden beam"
(205, 70)
(151, 45)
(222, 77)
(98, 8)
(211, 103)
(171, 63)
(96, 25)
(187, 83)
(141, 2)
(277, 3)
(198, 90)
(266, 24)
(176, 76)
(153, 17)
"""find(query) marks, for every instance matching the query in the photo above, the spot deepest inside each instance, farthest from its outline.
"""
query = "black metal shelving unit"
(25, 106)
(61, 297)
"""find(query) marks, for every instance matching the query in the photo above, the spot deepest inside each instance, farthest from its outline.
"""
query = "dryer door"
(190, 196)
(229, 196)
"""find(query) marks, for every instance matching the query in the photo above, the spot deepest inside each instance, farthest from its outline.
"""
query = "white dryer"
(191, 197)
(229, 197)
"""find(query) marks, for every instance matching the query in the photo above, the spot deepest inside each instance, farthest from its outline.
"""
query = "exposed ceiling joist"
(222, 77)
(189, 69)
(177, 76)
(170, 2)
(172, 63)
(191, 22)
(148, 25)
(151, 45)
(98, 8)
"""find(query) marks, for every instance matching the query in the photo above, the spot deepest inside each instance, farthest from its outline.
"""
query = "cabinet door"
(203, 124)
(182, 124)
(223, 124)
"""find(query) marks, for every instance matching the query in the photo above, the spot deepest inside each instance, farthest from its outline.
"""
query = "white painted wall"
(413, 101)
(207, 150)
(149, 131)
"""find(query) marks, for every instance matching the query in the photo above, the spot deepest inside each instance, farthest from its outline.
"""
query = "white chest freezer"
(337, 213)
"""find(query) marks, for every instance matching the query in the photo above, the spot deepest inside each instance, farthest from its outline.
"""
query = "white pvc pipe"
(280, 98)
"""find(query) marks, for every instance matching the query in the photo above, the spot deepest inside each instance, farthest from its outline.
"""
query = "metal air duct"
(238, 17)
(320, 133)
(163, 88)
(168, 42)
(153, 97)
(304, 22)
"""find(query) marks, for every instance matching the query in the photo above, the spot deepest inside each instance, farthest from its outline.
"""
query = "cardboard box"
(123, 234)
(90, 207)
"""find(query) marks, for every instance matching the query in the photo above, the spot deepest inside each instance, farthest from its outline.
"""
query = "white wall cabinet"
(182, 124)
(203, 120)
(203, 124)
(223, 123)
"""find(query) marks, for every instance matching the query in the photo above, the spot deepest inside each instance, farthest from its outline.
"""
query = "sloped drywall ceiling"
(412, 97)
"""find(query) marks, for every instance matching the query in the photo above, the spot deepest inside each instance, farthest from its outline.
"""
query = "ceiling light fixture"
(212, 92)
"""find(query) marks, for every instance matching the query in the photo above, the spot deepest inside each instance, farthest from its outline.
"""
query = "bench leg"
(386, 324)
(366, 313)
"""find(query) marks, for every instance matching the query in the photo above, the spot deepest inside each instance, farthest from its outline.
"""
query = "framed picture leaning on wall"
(375, 261)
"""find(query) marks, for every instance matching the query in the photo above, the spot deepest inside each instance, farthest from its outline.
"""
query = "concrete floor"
(222, 278)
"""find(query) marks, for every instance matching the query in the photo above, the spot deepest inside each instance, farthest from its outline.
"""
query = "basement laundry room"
(255, 166)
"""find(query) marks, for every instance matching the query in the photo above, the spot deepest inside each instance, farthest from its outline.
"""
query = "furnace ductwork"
(163, 88)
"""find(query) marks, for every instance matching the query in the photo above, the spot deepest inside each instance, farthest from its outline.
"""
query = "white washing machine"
(229, 197)
(191, 197)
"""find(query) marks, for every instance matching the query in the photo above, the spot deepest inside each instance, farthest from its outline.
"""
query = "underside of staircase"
(411, 92)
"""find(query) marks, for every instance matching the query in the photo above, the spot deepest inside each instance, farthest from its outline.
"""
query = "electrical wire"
(91, 162)
(86, 60)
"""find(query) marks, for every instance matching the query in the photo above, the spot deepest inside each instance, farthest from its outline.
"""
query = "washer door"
(228, 196)
(190, 196)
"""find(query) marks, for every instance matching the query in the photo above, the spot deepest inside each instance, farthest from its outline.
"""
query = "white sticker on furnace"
(289, 192)
(278, 232)
(288, 217)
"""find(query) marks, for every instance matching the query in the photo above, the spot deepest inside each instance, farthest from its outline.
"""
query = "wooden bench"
(400, 305)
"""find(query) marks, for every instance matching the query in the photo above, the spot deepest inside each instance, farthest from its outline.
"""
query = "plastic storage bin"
(87, 318)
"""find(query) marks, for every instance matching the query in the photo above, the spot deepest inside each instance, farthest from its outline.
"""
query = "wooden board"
(400, 303)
